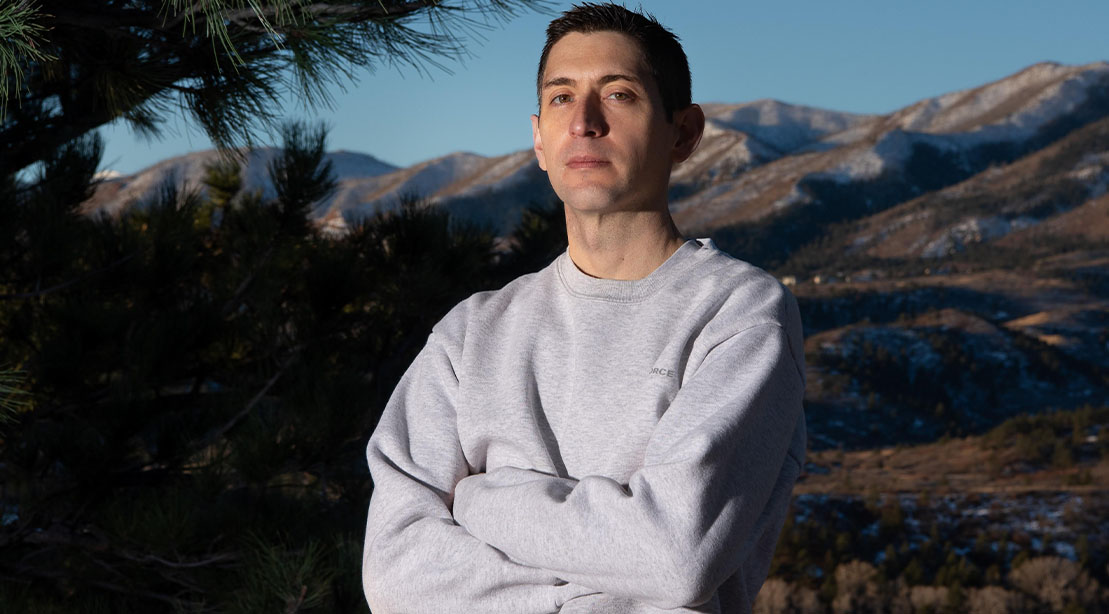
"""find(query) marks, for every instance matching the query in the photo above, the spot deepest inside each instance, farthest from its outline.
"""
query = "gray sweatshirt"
(572, 444)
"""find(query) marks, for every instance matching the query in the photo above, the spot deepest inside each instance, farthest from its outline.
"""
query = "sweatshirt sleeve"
(416, 558)
(717, 474)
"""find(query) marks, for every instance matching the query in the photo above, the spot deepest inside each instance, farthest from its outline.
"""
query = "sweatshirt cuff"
(471, 492)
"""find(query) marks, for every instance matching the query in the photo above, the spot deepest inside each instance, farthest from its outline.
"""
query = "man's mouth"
(586, 162)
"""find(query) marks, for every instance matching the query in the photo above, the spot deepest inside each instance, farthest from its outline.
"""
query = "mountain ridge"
(950, 258)
(757, 159)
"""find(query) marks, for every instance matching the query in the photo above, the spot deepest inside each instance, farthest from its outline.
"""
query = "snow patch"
(973, 230)
(106, 175)
(889, 153)
(785, 127)
(1041, 94)
(506, 172)
(795, 197)
(1093, 170)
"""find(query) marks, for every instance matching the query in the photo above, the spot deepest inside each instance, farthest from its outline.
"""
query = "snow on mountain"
(937, 140)
(453, 175)
(428, 178)
(187, 172)
(1061, 185)
(1012, 108)
(489, 191)
(749, 196)
(723, 154)
(785, 127)
(350, 164)
(499, 173)
(973, 230)
(757, 160)
(106, 174)
(889, 153)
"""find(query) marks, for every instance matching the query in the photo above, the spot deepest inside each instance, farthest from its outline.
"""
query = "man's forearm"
(416, 558)
(717, 475)
(426, 565)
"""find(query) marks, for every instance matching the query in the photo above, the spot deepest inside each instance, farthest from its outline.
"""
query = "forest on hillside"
(189, 388)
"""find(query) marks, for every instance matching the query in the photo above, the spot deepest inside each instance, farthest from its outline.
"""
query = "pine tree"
(70, 66)
(203, 391)
(186, 389)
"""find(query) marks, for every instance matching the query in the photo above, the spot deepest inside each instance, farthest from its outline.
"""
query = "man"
(619, 432)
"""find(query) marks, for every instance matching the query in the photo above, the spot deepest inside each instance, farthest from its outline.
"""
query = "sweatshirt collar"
(628, 291)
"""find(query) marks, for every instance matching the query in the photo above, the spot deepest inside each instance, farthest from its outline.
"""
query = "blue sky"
(866, 56)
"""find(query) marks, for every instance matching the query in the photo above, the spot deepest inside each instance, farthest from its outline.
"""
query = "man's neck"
(621, 245)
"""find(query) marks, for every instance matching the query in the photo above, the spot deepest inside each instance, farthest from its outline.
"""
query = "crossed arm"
(516, 540)
(416, 558)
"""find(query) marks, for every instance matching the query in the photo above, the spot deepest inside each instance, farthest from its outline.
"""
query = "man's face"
(602, 134)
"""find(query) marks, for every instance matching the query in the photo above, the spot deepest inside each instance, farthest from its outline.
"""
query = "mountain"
(1052, 185)
(488, 191)
(116, 192)
(950, 259)
(784, 128)
(777, 165)
(741, 136)
(885, 160)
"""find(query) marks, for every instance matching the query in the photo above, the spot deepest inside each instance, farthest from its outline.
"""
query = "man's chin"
(590, 198)
(591, 205)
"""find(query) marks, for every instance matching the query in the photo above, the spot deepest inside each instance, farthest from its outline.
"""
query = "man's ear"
(537, 142)
(691, 126)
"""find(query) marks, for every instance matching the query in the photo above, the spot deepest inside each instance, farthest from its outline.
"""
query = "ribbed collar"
(628, 291)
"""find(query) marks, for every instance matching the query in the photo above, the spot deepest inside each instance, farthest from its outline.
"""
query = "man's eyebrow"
(558, 81)
(619, 77)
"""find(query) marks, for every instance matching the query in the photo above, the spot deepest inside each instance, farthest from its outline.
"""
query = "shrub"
(856, 589)
(928, 598)
(993, 600)
(1056, 582)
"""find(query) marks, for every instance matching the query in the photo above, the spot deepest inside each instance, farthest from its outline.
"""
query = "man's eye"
(560, 99)
(620, 96)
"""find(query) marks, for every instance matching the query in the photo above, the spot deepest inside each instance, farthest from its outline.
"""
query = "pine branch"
(225, 25)
(245, 411)
(66, 284)
(236, 297)
(22, 572)
(13, 399)
(294, 606)
(224, 61)
(280, 18)
(21, 40)
(180, 564)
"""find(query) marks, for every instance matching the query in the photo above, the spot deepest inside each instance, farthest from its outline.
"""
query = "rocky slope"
(951, 258)
(765, 162)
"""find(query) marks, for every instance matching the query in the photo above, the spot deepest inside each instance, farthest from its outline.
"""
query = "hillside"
(1009, 522)
(1006, 203)
(1060, 452)
(204, 376)
(771, 162)
(950, 258)
(116, 193)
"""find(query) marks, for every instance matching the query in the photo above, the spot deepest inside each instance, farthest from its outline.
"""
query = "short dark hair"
(661, 49)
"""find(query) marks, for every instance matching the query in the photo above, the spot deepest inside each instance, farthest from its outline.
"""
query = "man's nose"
(589, 118)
